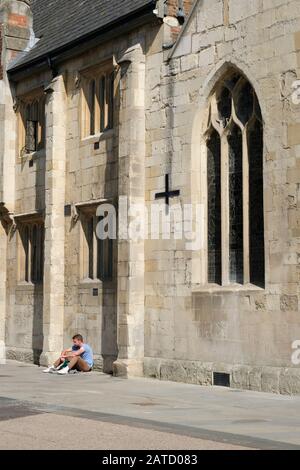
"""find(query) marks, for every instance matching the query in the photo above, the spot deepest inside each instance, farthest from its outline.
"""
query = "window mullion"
(225, 208)
(246, 208)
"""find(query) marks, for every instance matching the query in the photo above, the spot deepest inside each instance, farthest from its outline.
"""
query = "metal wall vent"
(220, 379)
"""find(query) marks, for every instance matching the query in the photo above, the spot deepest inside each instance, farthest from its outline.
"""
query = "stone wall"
(1, 47)
(192, 329)
(15, 309)
(91, 174)
(36, 317)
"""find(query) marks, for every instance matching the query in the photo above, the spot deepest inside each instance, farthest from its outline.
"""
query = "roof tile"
(60, 22)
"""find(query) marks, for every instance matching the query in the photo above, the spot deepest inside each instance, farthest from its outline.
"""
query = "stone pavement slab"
(240, 418)
(50, 431)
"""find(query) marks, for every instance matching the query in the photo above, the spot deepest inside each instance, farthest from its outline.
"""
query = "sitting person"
(79, 357)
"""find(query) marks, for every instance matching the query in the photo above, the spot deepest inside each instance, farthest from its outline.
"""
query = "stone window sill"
(216, 289)
(23, 285)
(33, 155)
(91, 139)
(90, 283)
(95, 284)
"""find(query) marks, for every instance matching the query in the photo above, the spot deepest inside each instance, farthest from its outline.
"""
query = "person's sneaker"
(50, 370)
(64, 371)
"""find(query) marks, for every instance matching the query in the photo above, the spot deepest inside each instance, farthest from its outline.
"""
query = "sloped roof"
(59, 23)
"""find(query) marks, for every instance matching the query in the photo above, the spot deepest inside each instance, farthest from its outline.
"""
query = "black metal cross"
(167, 194)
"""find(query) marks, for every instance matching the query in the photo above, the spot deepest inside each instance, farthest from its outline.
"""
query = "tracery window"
(31, 123)
(96, 254)
(31, 252)
(235, 209)
(97, 100)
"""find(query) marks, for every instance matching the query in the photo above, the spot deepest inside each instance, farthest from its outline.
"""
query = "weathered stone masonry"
(245, 332)
(158, 316)
(132, 187)
(1, 66)
(54, 266)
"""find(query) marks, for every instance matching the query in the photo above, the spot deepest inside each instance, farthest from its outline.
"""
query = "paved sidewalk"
(211, 414)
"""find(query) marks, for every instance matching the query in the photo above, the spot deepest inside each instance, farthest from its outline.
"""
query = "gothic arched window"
(31, 251)
(98, 91)
(234, 141)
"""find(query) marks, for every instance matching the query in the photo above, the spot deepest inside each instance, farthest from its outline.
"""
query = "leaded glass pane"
(34, 253)
(111, 101)
(25, 240)
(102, 103)
(225, 106)
(235, 91)
(105, 259)
(92, 103)
(41, 253)
(245, 103)
(31, 135)
(232, 80)
(90, 240)
(256, 204)
(214, 208)
(236, 262)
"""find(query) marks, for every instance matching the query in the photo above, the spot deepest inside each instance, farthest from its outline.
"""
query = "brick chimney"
(15, 30)
(174, 14)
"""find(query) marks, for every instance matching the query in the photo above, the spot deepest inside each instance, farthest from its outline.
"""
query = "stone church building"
(189, 102)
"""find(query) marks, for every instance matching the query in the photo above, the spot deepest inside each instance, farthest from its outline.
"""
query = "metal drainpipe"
(51, 67)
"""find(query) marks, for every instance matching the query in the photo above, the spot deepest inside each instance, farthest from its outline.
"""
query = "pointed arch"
(232, 116)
